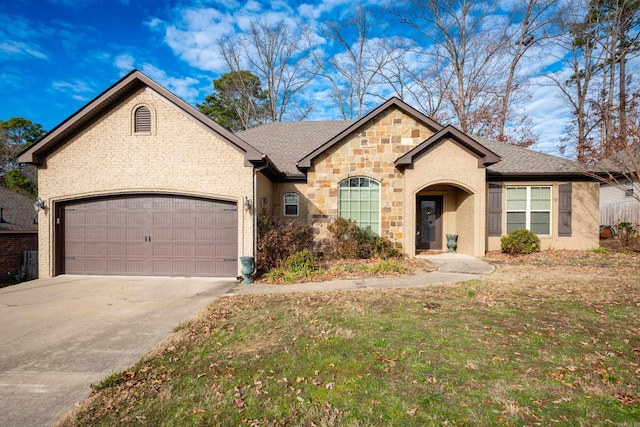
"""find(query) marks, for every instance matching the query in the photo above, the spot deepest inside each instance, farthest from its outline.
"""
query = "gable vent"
(143, 119)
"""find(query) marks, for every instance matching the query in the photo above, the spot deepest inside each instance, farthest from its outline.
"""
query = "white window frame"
(285, 204)
(528, 211)
(348, 215)
(628, 189)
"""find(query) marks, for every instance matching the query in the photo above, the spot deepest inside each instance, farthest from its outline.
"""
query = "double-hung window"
(530, 208)
(359, 200)
(291, 204)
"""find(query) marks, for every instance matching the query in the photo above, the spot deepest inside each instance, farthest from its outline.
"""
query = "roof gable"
(112, 97)
(485, 156)
(305, 162)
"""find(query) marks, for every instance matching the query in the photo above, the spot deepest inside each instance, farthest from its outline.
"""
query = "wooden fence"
(616, 212)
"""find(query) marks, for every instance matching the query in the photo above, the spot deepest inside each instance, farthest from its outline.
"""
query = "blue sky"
(57, 55)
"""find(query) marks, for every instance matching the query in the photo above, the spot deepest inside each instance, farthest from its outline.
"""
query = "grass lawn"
(536, 343)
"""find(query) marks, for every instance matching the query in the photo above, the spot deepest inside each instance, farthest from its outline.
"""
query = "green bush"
(299, 266)
(277, 240)
(300, 261)
(349, 241)
(520, 241)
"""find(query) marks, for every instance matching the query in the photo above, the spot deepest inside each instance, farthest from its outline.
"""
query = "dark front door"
(429, 222)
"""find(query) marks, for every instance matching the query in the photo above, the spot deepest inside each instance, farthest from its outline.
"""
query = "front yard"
(547, 339)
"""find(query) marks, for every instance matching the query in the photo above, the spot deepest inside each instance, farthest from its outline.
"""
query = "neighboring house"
(18, 233)
(620, 189)
(140, 182)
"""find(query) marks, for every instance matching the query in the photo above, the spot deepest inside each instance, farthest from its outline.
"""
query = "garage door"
(152, 235)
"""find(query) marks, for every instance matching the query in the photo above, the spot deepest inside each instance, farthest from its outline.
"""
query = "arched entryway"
(441, 209)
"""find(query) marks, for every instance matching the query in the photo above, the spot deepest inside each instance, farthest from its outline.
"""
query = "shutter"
(564, 209)
(143, 120)
(495, 210)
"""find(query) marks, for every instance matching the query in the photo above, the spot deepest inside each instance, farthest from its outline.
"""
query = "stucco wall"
(449, 170)
(585, 217)
(369, 152)
(178, 157)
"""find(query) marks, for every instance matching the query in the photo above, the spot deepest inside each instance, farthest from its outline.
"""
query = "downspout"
(255, 209)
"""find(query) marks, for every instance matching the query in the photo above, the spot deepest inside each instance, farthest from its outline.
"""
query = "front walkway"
(451, 268)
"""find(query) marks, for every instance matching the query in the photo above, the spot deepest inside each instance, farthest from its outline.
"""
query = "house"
(620, 189)
(18, 233)
(140, 182)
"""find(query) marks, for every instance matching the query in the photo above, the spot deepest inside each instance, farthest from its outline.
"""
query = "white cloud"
(20, 50)
(183, 87)
(548, 113)
(124, 63)
(79, 89)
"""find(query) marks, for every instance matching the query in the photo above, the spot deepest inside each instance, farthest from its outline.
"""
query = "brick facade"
(178, 156)
(13, 244)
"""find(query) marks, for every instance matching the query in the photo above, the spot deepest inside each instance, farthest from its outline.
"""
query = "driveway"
(59, 335)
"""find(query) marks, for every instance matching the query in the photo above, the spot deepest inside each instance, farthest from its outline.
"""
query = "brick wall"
(12, 245)
(178, 156)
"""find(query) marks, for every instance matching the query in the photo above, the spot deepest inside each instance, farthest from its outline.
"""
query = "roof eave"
(110, 98)
(539, 175)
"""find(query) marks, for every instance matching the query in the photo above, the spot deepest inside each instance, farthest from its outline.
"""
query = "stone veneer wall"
(371, 152)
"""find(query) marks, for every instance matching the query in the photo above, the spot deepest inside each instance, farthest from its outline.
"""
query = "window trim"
(628, 189)
(285, 204)
(377, 213)
(528, 211)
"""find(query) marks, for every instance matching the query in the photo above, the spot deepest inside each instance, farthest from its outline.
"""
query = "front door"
(429, 222)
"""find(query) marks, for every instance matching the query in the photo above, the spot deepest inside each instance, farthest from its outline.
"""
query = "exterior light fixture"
(246, 203)
(39, 204)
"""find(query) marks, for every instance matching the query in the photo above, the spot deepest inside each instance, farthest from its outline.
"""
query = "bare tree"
(581, 58)
(279, 57)
(469, 44)
(599, 36)
(527, 27)
(355, 70)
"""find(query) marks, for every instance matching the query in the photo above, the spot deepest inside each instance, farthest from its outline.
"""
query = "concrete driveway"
(59, 335)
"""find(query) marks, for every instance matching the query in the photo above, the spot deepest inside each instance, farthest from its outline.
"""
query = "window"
(142, 120)
(530, 208)
(628, 189)
(359, 200)
(291, 203)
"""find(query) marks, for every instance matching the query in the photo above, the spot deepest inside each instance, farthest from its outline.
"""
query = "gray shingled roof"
(287, 142)
(18, 213)
(521, 161)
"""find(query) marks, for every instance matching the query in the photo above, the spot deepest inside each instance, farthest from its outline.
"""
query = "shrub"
(277, 240)
(300, 261)
(349, 241)
(627, 233)
(520, 241)
(298, 266)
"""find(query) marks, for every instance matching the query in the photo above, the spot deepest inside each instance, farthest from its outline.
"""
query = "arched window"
(291, 204)
(142, 120)
(359, 200)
